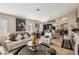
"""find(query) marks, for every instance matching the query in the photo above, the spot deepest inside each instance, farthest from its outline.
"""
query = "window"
(3, 27)
(29, 26)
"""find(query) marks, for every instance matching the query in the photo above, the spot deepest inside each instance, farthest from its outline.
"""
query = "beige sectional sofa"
(13, 43)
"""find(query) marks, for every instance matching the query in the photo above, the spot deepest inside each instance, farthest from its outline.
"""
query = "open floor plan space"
(39, 29)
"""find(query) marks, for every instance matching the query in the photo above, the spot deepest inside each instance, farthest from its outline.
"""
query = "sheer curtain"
(3, 27)
(29, 26)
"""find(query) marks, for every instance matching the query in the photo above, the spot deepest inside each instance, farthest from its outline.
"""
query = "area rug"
(41, 50)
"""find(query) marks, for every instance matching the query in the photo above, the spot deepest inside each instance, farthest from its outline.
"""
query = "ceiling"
(47, 10)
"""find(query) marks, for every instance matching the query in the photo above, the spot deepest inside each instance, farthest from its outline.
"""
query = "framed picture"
(36, 25)
(20, 24)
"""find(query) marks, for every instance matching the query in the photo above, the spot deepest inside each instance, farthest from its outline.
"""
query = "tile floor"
(60, 51)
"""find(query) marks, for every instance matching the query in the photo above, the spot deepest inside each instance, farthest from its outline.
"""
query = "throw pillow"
(26, 36)
(19, 37)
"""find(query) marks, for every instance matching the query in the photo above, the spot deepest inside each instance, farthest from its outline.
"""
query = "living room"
(39, 28)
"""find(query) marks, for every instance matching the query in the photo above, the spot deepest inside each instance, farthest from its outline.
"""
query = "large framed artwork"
(20, 24)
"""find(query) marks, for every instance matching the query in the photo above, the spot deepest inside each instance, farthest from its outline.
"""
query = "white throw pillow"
(26, 36)
(19, 37)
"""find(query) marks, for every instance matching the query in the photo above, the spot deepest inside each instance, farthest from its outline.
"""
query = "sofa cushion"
(12, 37)
(26, 36)
(19, 37)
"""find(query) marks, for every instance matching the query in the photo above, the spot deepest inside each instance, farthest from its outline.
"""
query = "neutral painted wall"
(11, 23)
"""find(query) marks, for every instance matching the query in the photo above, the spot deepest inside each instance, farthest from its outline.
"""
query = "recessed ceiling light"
(37, 9)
